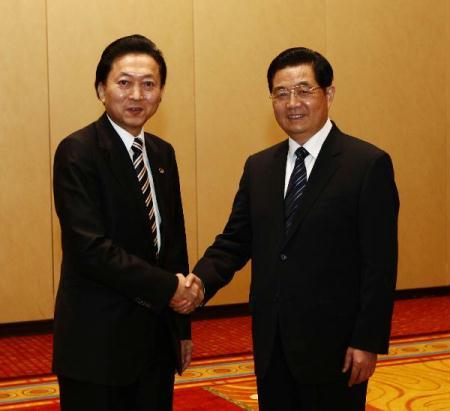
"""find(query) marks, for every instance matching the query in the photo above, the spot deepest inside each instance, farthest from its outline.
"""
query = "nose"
(136, 92)
(294, 100)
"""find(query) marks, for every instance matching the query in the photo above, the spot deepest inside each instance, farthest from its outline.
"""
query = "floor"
(414, 376)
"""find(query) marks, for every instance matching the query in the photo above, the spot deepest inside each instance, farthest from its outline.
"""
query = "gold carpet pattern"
(414, 376)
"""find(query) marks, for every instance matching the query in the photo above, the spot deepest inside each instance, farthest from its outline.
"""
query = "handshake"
(189, 294)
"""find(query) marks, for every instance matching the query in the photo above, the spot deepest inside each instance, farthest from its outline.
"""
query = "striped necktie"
(144, 184)
(296, 186)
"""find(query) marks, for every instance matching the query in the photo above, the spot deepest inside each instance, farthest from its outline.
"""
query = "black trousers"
(278, 390)
(153, 391)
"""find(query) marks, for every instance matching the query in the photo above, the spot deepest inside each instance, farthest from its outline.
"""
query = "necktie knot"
(301, 153)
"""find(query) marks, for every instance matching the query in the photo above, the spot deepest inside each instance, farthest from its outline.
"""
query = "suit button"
(283, 257)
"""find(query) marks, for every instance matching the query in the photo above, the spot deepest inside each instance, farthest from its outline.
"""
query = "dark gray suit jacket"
(113, 290)
(330, 283)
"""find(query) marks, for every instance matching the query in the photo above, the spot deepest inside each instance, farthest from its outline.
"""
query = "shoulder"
(80, 141)
(358, 145)
(354, 144)
(362, 159)
(269, 153)
(357, 149)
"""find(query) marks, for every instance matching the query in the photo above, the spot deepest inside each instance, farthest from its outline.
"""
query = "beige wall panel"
(235, 42)
(390, 66)
(447, 32)
(78, 33)
(26, 284)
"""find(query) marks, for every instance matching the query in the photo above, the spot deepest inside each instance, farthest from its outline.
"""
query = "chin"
(296, 132)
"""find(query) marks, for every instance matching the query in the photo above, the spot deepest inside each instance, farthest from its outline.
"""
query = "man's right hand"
(189, 294)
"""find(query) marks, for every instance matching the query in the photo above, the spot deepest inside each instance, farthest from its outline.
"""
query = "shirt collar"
(314, 144)
(125, 136)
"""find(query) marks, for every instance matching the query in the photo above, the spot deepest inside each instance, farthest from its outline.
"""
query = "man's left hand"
(362, 365)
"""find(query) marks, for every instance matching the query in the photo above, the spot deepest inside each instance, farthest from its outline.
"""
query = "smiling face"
(299, 117)
(132, 91)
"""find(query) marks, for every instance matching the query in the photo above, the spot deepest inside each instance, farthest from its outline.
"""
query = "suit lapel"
(119, 160)
(275, 186)
(325, 166)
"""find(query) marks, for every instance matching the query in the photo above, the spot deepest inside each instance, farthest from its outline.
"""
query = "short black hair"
(301, 55)
(136, 43)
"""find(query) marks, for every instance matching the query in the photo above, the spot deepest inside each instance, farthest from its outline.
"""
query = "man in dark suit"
(117, 343)
(317, 215)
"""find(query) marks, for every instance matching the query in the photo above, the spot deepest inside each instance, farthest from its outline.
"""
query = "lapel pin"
(161, 170)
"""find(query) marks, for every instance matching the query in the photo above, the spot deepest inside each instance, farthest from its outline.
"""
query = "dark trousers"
(153, 391)
(278, 390)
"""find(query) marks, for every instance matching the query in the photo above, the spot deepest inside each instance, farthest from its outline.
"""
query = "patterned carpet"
(25, 356)
(414, 376)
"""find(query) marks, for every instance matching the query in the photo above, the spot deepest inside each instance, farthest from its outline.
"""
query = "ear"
(329, 92)
(161, 93)
(101, 92)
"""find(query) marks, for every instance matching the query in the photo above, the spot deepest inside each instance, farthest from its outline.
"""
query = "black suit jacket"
(329, 284)
(112, 291)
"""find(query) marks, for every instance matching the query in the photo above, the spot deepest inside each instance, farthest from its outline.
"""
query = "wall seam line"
(194, 84)
(50, 153)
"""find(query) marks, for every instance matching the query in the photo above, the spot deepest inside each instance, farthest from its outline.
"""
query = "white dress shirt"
(128, 139)
(312, 146)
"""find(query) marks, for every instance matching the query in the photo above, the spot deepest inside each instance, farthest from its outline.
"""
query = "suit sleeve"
(231, 249)
(88, 249)
(378, 213)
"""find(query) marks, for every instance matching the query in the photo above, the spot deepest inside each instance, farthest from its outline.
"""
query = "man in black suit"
(117, 343)
(324, 253)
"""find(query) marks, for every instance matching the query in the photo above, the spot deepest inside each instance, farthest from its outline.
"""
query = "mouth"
(296, 116)
(135, 110)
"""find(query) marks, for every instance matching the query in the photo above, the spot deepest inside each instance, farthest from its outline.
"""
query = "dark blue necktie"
(296, 186)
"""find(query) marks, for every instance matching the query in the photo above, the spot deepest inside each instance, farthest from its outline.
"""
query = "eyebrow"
(124, 73)
(301, 83)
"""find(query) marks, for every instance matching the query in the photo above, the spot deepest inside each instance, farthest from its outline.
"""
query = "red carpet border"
(25, 356)
(420, 316)
(31, 355)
